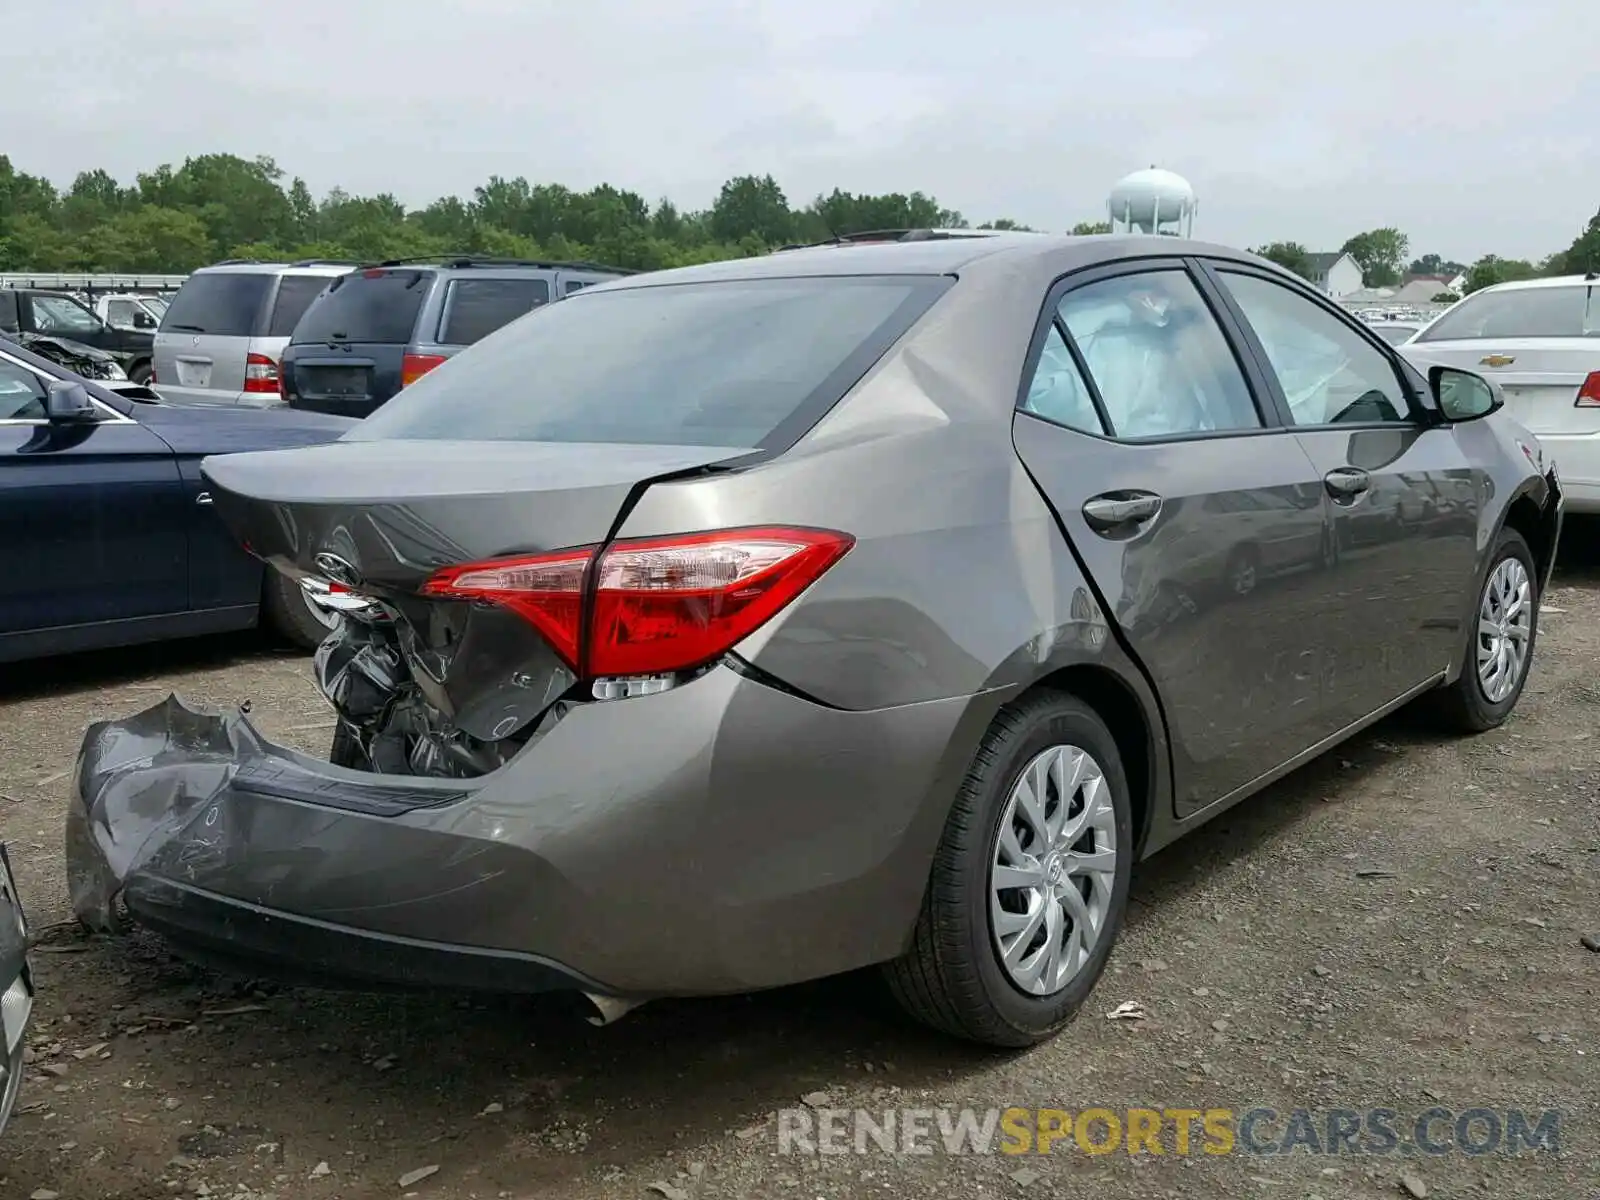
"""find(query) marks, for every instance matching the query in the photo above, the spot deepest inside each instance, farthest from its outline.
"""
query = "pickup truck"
(57, 314)
(130, 310)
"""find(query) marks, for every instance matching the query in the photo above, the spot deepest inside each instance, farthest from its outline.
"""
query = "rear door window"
(739, 363)
(1567, 311)
(295, 294)
(475, 308)
(222, 303)
(379, 305)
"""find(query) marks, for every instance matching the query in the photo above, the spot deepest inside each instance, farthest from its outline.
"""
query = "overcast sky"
(1473, 127)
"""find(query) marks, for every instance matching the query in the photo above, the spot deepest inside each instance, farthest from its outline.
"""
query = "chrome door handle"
(203, 498)
(1117, 509)
(1346, 481)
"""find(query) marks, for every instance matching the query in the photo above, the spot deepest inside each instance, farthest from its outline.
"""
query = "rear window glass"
(477, 307)
(366, 306)
(750, 363)
(1534, 312)
(222, 303)
(295, 294)
(1394, 334)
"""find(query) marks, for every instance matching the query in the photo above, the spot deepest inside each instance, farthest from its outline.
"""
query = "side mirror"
(143, 320)
(1463, 396)
(68, 402)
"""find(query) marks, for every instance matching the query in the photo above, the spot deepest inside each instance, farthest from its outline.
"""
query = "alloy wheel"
(1505, 627)
(1055, 860)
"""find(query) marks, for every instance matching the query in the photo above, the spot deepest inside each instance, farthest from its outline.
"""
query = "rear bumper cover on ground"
(723, 836)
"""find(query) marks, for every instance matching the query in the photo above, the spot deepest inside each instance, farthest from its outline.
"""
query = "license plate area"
(194, 372)
(335, 381)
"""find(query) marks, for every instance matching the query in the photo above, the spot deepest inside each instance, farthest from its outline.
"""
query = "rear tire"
(953, 977)
(1471, 704)
(288, 612)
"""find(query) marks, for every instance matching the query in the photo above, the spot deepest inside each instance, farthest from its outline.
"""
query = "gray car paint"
(776, 816)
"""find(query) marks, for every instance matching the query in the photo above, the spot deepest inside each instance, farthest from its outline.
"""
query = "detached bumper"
(723, 836)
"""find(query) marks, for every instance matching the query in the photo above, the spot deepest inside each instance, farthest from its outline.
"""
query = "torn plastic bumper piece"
(172, 798)
(721, 836)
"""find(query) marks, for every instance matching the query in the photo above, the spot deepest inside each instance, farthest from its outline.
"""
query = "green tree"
(753, 206)
(1084, 228)
(1432, 264)
(150, 239)
(1583, 256)
(1006, 223)
(1291, 256)
(1379, 253)
(1492, 269)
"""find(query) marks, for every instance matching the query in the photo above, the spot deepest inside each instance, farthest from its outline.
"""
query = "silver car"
(221, 339)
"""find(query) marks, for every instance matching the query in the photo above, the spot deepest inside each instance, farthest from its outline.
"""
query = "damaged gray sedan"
(728, 627)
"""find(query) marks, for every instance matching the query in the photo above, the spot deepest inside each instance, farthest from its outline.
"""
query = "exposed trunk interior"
(428, 686)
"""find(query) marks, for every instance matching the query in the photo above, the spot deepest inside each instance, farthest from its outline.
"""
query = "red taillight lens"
(260, 374)
(152, 380)
(660, 604)
(414, 366)
(1589, 393)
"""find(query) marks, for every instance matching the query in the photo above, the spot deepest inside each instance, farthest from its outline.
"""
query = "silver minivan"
(222, 336)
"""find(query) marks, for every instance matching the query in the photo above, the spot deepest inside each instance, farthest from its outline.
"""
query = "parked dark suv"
(378, 329)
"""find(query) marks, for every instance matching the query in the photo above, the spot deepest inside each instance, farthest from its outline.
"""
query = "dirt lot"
(1397, 926)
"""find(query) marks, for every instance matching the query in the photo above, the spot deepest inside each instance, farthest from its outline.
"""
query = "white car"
(1540, 341)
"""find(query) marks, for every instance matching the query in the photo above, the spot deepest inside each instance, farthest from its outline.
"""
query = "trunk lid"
(382, 516)
(1540, 376)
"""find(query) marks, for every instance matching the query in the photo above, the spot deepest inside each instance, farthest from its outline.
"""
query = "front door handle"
(1116, 510)
(1346, 483)
(203, 498)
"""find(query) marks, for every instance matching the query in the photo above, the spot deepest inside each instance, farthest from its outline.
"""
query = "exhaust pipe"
(609, 1009)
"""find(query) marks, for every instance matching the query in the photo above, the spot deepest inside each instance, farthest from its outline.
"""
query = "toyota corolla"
(861, 604)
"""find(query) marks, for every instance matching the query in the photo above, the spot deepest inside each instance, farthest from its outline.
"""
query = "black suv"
(379, 328)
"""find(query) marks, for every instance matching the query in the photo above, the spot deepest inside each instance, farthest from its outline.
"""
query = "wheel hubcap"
(1054, 864)
(1505, 624)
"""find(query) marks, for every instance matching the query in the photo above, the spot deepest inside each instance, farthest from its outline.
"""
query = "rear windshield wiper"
(190, 328)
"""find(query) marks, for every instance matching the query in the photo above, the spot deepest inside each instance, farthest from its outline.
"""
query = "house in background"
(1444, 283)
(1336, 274)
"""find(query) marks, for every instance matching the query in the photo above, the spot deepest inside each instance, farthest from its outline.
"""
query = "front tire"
(1499, 652)
(289, 613)
(1030, 882)
(140, 373)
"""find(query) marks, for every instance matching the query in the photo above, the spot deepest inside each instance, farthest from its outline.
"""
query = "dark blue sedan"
(107, 530)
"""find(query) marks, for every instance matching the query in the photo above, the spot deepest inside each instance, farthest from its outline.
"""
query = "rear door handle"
(203, 498)
(1346, 482)
(1116, 510)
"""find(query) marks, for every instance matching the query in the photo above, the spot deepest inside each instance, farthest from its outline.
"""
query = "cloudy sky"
(1474, 127)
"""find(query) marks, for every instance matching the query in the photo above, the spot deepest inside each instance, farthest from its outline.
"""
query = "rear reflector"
(261, 374)
(1589, 393)
(414, 366)
(660, 604)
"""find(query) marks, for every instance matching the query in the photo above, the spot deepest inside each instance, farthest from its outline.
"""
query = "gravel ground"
(1397, 926)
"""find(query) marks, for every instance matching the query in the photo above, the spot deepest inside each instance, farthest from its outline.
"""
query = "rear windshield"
(1535, 312)
(477, 307)
(221, 303)
(367, 306)
(750, 363)
(295, 294)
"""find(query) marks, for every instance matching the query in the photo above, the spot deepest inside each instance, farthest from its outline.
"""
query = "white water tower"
(1153, 201)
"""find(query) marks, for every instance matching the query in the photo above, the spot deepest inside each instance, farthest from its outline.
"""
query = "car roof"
(940, 256)
(1553, 281)
(277, 268)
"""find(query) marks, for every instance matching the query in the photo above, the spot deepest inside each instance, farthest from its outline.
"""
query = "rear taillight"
(260, 374)
(1589, 393)
(661, 605)
(414, 366)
